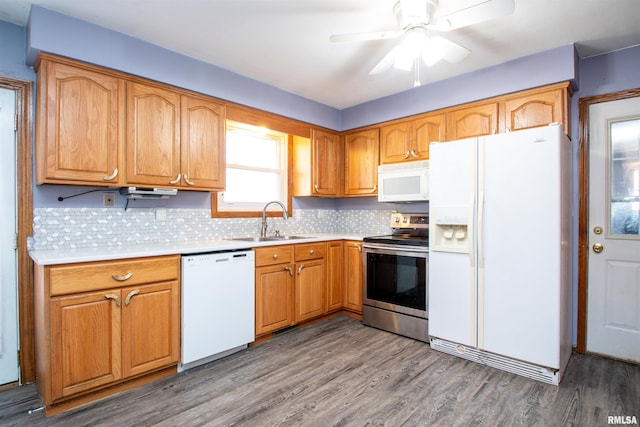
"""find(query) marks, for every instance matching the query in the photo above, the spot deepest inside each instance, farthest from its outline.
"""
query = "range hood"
(147, 193)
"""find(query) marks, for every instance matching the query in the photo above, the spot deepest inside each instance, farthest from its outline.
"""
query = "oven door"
(395, 278)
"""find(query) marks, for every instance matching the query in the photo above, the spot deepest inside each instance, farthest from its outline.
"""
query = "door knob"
(597, 248)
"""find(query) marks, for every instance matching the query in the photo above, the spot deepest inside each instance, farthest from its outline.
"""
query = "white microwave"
(404, 182)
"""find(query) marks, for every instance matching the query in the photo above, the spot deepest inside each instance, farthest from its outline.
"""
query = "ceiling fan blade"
(480, 12)
(386, 62)
(451, 52)
(380, 35)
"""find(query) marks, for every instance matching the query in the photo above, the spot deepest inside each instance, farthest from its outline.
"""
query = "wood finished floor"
(340, 373)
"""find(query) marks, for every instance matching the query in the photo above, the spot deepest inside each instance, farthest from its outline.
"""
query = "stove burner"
(407, 230)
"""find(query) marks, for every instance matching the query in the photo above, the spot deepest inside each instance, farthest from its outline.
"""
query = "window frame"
(215, 213)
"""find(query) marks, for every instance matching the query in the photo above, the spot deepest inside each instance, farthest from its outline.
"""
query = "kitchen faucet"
(263, 231)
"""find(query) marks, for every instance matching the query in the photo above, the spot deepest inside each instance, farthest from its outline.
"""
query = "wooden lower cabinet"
(353, 276)
(291, 285)
(310, 281)
(93, 339)
(274, 288)
(335, 276)
(274, 298)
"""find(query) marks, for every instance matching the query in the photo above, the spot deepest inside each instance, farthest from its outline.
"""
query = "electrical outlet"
(108, 199)
(161, 214)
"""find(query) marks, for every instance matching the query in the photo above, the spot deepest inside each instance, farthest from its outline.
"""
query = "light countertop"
(72, 255)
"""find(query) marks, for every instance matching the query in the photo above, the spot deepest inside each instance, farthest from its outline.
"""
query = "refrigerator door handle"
(480, 224)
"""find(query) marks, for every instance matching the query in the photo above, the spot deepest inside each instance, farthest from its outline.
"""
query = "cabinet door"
(85, 347)
(335, 276)
(361, 163)
(153, 136)
(538, 109)
(274, 298)
(150, 327)
(477, 120)
(394, 143)
(353, 276)
(80, 126)
(325, 162)
(425, 131)
(202, 144)
(310, 289)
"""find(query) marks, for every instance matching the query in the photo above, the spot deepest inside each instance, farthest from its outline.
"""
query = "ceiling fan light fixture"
(409, 50)
(432, 52)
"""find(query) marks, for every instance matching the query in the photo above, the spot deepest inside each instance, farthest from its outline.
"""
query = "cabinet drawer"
(90, 276)
(310, 251)
(273, 255)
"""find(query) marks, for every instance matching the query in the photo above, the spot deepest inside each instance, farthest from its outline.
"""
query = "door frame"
(24, 184)
(583, 207)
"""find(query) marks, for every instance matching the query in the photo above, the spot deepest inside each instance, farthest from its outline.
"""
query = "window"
(257, 170)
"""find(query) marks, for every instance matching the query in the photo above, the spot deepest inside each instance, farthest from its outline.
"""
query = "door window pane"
(624, 141)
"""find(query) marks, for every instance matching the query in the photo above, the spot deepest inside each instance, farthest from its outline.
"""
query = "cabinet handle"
(359, 248)
(300, 269)
(131, 295)
(186, 179)
(315, 187)
(177, 180)
(413, 154)
(289, 270)
(112, 176)
(114, 297)
(122, 278)
(375, 187)
(406, 156)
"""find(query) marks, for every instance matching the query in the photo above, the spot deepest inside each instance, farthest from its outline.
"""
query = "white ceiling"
(285, 43)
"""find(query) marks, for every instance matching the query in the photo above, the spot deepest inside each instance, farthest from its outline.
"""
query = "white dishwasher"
(218, 305)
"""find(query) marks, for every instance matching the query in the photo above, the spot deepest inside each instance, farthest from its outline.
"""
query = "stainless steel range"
(395, 279)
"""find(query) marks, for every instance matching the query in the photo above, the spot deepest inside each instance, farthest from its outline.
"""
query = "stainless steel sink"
(270, 239)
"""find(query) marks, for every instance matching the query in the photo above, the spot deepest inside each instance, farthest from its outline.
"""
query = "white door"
(8, 282)
(613, 295)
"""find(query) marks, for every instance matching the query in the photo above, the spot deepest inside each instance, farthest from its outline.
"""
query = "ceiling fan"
(417, 20)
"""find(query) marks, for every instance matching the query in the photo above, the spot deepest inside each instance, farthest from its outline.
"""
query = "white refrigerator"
(499, 263)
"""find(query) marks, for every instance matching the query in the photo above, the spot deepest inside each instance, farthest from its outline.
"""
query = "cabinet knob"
(112, 176)
(122, 278)
(131, 295)
(177, 180)
(186, 179)
(312, 251)
(114, 297)
(275, 256)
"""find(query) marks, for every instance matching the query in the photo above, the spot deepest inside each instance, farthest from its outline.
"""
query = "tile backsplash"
(64, 228)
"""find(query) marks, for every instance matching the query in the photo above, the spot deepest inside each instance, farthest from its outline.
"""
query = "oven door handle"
(396, 248)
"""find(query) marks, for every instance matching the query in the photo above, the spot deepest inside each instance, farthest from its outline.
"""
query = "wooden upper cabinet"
(394, 143)
(361, 163)
(79, 128)
(409, 141)
(475, 120)
(325, 163)
(537, 108)
(425, 131)
(203, 158)
(153, 136)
